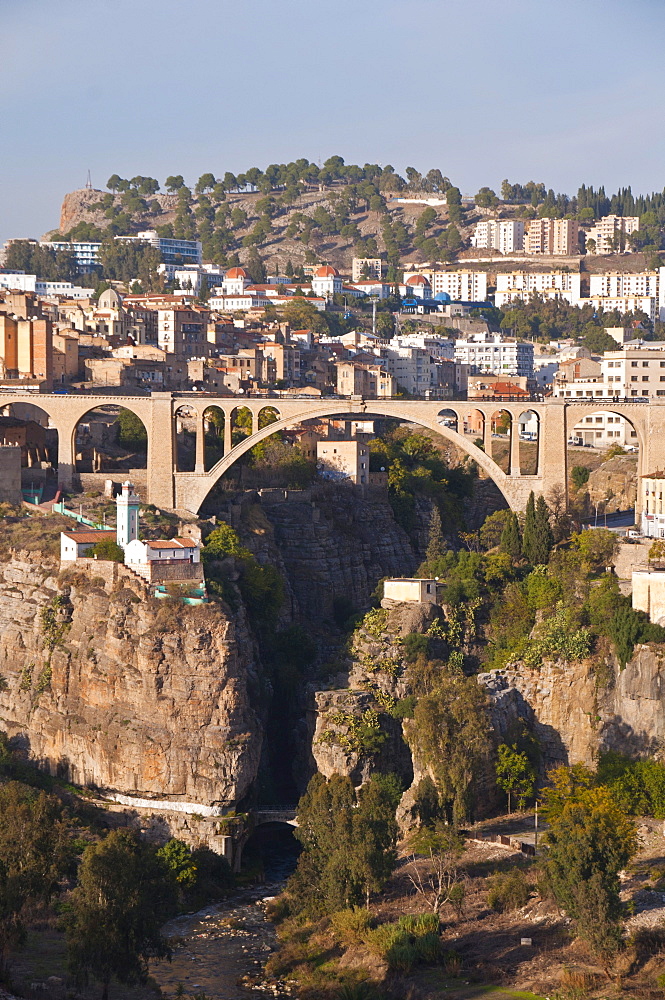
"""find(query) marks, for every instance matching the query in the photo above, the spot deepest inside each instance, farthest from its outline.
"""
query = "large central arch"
(191, 490)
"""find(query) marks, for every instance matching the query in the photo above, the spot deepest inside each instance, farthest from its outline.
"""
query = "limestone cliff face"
(78, 206)
(578, 709)
(133, 696)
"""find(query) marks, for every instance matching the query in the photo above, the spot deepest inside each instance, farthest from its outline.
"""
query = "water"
(221, 951)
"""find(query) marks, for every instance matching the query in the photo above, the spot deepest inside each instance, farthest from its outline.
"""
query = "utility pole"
(374, 316)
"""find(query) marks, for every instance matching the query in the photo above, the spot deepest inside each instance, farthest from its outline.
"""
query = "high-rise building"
(504, 235)
(557, 237)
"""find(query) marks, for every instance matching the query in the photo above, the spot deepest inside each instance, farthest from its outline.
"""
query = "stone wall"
(10, 475)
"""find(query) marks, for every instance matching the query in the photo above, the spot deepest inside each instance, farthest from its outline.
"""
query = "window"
(633, 364)
(645, 364)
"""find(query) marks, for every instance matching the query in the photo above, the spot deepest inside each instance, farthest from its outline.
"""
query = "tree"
(510, 538)
(174, 183)
(450, 735)
(486, 198)
(493, 527)
(131, 432)
(114, 182)
(590, 841)
(537, 538)
(514, 774)
(437, 545)
(445, 880)
(121, 901)
(348, 842)
(108, 549)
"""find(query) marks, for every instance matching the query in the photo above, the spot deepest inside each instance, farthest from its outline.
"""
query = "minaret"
(127, 505)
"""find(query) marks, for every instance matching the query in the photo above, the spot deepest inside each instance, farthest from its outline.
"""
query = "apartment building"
(26, 348)
(461, 286)
(491, 354)
(86, 252)
(610, 234)
(652, 487)
(412, 367)
(182, 331)
(504, 235)
(547, 284)
(283, 363)
(366, 267)
(557, 237)
(171, 251)
(343, 460)
(370, 381)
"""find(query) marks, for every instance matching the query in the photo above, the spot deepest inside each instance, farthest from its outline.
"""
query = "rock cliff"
(126, 694)
(581, 708)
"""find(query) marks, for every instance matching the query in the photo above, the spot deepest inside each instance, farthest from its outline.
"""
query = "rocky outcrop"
(144, 697)
(616, 481)
(582, 708)
(80, 206)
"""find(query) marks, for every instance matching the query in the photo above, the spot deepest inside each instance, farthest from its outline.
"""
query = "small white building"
(77, 544)
(138, 553)
(326, 282)
(343, 460)
(410, 590)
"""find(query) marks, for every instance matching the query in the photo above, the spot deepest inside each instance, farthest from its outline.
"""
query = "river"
(221, 951)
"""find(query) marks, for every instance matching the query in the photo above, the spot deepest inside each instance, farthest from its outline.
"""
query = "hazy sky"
(563, 91)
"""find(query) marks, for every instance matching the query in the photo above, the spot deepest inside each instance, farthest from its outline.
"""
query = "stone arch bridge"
(170, 488)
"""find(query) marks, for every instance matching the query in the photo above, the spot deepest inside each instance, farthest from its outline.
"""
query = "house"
(343, 460)
(410, 590)
(326, 282)
(184, 550)
(77, 544)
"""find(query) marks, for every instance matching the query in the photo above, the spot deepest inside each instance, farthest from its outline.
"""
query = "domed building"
(418, 286)
(326, 282)
(235, 281)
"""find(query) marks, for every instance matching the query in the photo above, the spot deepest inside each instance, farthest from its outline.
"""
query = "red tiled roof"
(81, 537)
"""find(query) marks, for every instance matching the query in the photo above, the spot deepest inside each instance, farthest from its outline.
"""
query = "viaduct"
(170, 488)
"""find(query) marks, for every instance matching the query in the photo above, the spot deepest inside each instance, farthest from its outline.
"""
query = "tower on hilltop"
(127, 505)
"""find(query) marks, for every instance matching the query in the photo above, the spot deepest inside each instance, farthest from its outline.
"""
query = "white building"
(326, 282)
(555, 237)
(343, 460)
(410, 590)
(653, 513)
(178, 550)
(18, 281)
(461, 286)
(371, 266)
(86, 252)
(490, 354)
(610, 234)
(522, 285)
(504, 235)
(77, 544)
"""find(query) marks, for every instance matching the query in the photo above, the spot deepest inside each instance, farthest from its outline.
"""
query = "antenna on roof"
(88, 183)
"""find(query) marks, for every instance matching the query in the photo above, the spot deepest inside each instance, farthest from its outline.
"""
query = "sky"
(560, 91)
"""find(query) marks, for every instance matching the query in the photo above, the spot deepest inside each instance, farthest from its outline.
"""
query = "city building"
(459, 285)
(183, 331)
(26, 348)
(522, 285)
(490, 353)
(65, 360)
(652, 487)
(609, 234)
(556, 237)
(366, 267)
(326, 282)
(504, 235)
(339, 460)
(363, 379)
(171, 251)
(86, 252)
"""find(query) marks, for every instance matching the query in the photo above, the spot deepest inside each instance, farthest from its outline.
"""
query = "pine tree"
(510, 538)
(543, 539)
(529, 534)
(436, 546)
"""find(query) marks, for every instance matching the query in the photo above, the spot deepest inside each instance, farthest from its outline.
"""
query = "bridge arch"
(192, 491)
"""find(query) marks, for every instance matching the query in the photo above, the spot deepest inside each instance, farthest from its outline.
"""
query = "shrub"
(579, 475)
(351, 925)
(508, 891)
(407, 942)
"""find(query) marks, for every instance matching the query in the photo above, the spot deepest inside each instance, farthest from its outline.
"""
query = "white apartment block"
(609, 233)
(602, 429)
(634, 372)
(548, 284)
(558, 237)
(647, 304)
(461, 286)
(436, 346)
(505, 235)
(490, 354)
(616, 284)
